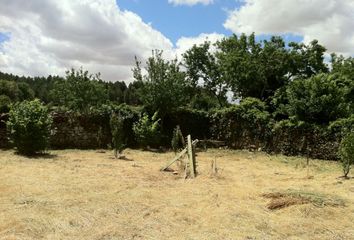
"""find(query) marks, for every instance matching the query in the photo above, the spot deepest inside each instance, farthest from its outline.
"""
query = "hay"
(289, 198)
(88, 195)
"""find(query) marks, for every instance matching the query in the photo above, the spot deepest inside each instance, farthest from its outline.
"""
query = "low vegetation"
(29, 127)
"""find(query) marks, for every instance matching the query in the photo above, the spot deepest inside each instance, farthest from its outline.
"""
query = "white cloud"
(50, 36)
(190, 2)
(185, 43)
(329, 21)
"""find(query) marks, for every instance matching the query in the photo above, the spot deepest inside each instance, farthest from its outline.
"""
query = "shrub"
(346, 152)
(242, 125)
(147, 131)
(117, 130)
(29, 126)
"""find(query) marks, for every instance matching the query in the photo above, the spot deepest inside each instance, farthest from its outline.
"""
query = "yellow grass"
(89, 195)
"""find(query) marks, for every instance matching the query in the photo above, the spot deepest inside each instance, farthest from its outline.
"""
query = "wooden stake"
(184, 151)
(191, 157)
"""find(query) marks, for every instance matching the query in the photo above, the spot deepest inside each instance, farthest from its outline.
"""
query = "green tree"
(258, 69)
(306, 60)
(203, 69)
(346, 153)
(5, 102)
(118, 136)
(10, 89)
(79, 91)
(319, 99)
(164, 85)
(29, 126)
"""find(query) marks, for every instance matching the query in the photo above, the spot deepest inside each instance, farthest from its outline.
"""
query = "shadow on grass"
(38, 155)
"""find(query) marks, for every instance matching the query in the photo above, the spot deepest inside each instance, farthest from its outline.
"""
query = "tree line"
(294, 80)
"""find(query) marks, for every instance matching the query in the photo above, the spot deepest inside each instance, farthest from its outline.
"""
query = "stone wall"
(71, 130)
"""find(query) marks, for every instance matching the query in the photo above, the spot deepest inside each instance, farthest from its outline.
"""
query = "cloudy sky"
(41, 37)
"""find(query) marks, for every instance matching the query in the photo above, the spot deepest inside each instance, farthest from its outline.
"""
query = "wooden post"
(191, 157)
(180, 155)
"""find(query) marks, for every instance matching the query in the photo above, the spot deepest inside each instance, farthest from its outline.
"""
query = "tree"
(29, 126)
(306, 60)
(5, 102)
(79, 91)
(319, 99)
(346, 153)
(164, 87)
(203, 69)
(258, 69)
(117, 131)
(11, 91)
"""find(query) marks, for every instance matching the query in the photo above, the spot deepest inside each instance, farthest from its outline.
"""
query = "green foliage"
(5, 102)
(319, 99)
(258, 69)
(201, 64)
(204, 101)
(29, 126)
(246, 124)
(147, 131)
(346, 152)
(164, 86)
(117, 131)
(16, 91)
(342, 125)
(79, 91)
(177, 141)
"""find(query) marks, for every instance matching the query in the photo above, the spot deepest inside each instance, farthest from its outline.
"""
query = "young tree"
(347, 153)
(177, 141)
(117, 131)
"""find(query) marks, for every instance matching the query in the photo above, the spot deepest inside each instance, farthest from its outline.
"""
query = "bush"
(241, 126)
(29, 127)
(346, 152)
(147, 132)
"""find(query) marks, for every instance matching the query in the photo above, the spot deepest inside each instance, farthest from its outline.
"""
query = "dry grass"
(90, 195)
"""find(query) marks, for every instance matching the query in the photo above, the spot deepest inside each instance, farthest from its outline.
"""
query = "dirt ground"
(76, 194)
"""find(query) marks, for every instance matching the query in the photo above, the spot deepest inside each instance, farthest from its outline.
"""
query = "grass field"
(76, 194)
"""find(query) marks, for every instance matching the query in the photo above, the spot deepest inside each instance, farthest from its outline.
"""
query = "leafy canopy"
(79, 91)
(164, 86)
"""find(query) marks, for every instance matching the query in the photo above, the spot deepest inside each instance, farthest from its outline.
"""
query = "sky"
(42, 37)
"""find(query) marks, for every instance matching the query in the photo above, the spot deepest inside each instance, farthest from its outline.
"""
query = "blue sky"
(188, 21)
(177, 21)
